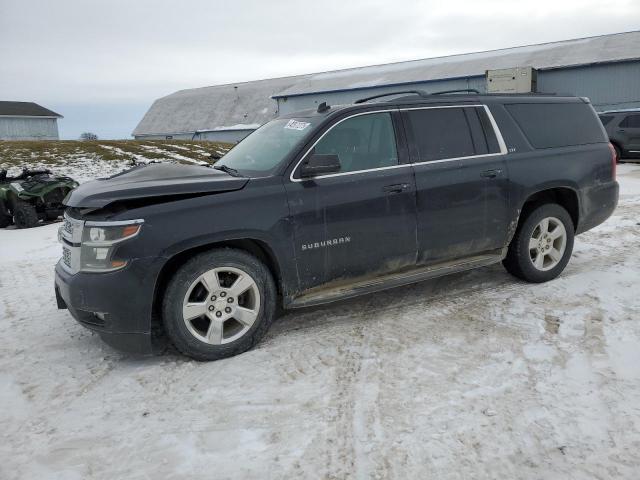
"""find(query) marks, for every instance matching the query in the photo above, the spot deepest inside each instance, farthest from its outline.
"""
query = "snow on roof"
(210, 108)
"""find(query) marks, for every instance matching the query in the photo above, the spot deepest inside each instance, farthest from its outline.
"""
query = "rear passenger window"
(548, 125)
(631, 121)
(440, 133)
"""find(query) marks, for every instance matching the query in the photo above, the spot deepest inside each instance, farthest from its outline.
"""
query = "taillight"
(614, 159)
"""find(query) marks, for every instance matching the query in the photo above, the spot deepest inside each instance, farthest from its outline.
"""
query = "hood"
(153, 180)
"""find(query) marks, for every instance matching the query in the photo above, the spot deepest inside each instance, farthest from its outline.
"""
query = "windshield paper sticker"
(296, 125)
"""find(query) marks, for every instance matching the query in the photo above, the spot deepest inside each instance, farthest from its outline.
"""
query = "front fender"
(221, 237)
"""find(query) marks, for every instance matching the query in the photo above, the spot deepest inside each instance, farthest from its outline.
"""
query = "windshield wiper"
(231, 171)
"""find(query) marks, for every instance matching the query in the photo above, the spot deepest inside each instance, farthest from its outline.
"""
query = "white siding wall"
(28, 128)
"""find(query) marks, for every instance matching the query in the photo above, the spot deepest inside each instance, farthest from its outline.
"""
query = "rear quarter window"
(548, 125)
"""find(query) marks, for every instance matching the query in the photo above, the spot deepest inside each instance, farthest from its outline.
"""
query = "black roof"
(25, 109)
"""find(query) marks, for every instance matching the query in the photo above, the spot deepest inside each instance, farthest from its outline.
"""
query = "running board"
(341, 291)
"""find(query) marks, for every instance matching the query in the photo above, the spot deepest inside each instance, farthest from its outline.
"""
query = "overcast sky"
(102, 63)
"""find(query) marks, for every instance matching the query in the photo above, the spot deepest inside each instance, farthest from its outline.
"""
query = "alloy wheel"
(221, 305)
(547, 243)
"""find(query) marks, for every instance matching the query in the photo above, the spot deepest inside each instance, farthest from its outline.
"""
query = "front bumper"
(116, 305)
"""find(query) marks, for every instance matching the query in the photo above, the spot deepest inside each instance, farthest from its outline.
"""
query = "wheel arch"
(256, 247)
(564, 196)
(618, 145)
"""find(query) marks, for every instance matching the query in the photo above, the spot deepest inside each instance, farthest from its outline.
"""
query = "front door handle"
(491, 173)
(396, 188)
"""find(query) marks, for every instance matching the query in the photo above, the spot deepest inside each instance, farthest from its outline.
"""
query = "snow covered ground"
(476, 375)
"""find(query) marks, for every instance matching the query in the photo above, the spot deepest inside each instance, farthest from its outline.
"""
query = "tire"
(5, 217)
(208, 285)
(530, 264)
(24, 214)
(618, 152)
(53, 215)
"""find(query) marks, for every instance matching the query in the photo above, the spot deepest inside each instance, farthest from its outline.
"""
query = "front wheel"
(219, 304)
(542, 245)
(24, 214)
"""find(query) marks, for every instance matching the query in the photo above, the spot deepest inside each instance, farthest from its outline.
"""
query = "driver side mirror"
(317, 164)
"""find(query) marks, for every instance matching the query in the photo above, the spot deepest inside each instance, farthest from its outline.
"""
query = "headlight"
(99, 242)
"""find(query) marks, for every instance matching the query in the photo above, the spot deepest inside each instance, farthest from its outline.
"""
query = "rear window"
(548, 125)
(606, 119)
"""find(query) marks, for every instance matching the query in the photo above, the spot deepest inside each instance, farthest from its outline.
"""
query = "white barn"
(27, 121)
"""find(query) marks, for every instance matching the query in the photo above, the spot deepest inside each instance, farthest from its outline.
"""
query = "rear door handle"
(396, 188)
(491, 173)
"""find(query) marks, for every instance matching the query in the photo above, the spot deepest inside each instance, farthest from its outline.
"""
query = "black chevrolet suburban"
(328, 204)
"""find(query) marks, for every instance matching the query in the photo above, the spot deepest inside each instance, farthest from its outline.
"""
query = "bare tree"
(88, 136)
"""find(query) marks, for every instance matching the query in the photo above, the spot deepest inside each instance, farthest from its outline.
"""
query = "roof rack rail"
(420, 93)
(461, 90)
(622, 110)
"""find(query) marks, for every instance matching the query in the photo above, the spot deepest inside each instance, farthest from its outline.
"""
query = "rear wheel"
(219, 304)
(618, 153)
(542, 245)
(24, 214)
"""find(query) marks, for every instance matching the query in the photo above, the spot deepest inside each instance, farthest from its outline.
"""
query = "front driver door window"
(361, 143)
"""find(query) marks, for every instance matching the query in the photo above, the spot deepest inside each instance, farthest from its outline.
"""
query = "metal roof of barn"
(582, 51)
(25, 109)
(237, 106)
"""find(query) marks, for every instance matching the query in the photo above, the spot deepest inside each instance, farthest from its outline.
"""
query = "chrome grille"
(70, 236)
(66, 256)
(68, 226)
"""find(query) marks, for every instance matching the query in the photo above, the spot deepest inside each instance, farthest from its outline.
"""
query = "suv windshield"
(260, 153)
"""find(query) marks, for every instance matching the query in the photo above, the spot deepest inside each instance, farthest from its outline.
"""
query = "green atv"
(32, 196)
